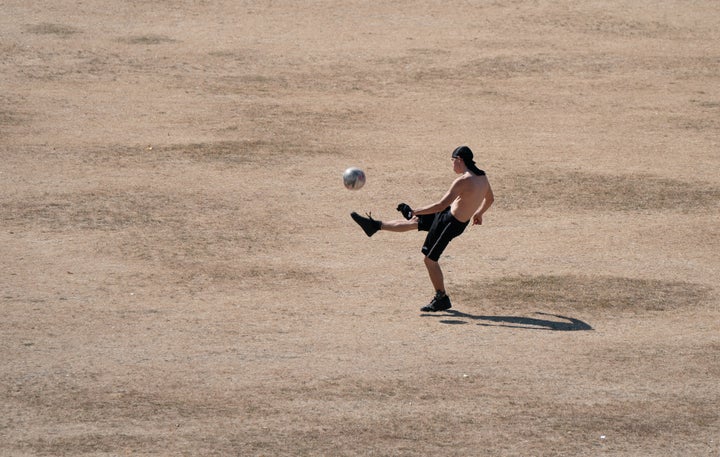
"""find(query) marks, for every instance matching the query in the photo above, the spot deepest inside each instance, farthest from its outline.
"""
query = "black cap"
(466, 155)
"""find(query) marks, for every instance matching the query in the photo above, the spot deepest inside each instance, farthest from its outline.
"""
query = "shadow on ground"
(548, 322)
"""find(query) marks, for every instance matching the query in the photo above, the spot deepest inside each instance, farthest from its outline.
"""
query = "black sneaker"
(368, 224)
(440, 302)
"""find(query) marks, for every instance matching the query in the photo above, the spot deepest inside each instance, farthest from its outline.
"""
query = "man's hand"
(477, 219)
(406, 211)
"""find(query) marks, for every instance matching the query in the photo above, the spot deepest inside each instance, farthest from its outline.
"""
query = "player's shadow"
(562, 324)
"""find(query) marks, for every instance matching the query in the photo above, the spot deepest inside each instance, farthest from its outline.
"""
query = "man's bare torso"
(472, 190)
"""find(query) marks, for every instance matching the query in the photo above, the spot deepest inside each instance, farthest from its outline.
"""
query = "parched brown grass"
(180, 274)
(10, 113)
(149, 39)
(583, 191)
(8, 117)
(240, 152)
(588, 293)
(88, 211)
(47, 28)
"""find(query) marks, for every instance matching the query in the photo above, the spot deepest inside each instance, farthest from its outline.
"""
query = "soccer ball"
(354, 178)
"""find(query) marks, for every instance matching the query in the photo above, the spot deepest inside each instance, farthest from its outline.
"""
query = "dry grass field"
(180, 275)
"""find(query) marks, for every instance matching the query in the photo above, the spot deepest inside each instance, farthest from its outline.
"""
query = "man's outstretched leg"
(370, 225)
(441, 301)
(400, 225)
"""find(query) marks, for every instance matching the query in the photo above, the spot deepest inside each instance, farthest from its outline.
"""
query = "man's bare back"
(469, 196)
(471, 193)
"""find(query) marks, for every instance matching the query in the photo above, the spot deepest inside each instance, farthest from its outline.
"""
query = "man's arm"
(484, 206)
(447, 199)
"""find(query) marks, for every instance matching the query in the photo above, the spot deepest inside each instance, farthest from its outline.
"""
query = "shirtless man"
(468, 198)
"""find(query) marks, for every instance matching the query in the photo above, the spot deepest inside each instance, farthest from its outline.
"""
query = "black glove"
(405, 210)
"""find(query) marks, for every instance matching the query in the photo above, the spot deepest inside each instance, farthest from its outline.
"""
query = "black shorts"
(441, 227)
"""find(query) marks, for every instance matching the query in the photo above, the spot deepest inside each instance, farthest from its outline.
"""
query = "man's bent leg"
(436, 274)
(441, 301)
